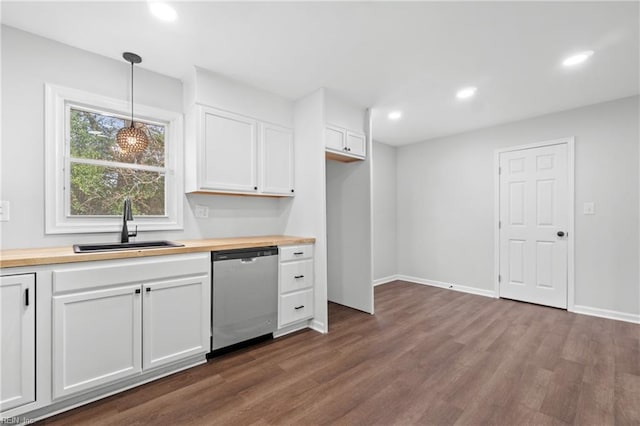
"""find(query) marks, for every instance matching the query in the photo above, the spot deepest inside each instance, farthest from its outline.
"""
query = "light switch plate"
(202, 211)
(4, 211)
(589, 208)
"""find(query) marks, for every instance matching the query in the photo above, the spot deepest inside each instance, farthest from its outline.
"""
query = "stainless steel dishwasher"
(244, 295)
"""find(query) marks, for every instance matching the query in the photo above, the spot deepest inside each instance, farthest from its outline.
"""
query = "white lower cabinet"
(123, 318)
(296, 282)
(17, 326)
(97, 338)
(176, 317)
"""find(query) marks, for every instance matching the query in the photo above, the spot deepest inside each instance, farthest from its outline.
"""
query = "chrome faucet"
(127, 215)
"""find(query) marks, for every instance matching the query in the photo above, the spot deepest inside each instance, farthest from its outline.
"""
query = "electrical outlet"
(202, 211)
(589, 208)
(4, 211)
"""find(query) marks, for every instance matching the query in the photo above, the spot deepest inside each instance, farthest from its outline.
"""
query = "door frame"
(570, 142)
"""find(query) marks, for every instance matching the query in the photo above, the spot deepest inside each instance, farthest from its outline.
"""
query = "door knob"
(560, 234)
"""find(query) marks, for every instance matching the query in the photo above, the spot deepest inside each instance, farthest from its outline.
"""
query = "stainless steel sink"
(142, 245)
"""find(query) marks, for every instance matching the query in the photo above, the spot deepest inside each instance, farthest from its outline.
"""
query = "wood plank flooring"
(428, 356)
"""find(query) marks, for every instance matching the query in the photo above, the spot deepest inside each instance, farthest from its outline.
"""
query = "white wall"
(384, 188)
(342, 113)
(306, 211)
(28, 61)
(217, 91)
(445, 202)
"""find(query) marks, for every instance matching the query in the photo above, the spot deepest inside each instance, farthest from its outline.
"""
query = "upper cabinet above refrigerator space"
(349, 145)
(345, 136)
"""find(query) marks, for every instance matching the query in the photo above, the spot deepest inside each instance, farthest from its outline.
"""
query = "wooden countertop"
(52, 255)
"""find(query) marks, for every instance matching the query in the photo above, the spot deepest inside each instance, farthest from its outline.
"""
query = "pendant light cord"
(131, 93)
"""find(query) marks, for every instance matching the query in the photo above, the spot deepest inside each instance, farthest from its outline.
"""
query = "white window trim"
(56, 219)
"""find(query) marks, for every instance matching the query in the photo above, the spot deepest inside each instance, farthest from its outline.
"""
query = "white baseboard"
(578, 309)
(449, 286)
(385, 280)
(605, 313)
(318, 326)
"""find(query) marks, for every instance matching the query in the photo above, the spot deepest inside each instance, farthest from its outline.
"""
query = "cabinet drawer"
(296, 306)
(296, 275)
(295, 252)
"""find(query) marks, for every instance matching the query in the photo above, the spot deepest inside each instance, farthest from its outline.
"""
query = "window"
(92, 176)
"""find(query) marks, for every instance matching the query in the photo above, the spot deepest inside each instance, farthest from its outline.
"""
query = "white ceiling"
(409, 56)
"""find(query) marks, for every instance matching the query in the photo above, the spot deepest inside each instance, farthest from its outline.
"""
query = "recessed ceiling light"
(163, 11)
(466, 92)
(395, 115)
(578, 58)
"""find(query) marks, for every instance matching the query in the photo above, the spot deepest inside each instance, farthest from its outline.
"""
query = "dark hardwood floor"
(428, 356)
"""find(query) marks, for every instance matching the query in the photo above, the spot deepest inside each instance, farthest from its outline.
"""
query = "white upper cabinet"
(334, 138)
(345, 132)
(228, 151)
(17, 349)
(356, 143)
(237, 154)
(345, 143)
(276, 160)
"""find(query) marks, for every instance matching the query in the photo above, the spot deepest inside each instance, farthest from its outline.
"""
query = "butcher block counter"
(54, 255)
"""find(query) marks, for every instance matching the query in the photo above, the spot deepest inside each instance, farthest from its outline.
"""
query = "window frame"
(58, 103)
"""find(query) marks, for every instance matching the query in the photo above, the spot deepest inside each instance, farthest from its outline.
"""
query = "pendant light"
(132, 139)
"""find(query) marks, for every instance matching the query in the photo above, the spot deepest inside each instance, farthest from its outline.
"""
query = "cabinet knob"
(137, 291)
(148, 289)
(292, 190)
(255, 188)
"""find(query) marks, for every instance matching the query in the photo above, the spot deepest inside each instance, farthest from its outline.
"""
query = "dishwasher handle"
(249, 260)
(241, 254)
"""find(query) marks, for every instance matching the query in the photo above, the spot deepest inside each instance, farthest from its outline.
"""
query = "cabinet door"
(229, 152)
(177, 319)
(96, 338)
(334, 138)
(277, 158)
(356, 144)
(17, 341)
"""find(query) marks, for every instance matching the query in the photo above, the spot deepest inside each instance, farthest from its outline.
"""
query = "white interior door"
(534, 218)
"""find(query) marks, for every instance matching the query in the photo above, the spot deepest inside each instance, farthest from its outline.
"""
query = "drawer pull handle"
(298, 276)
(299, 307)
(148, 289)
(298, 253)
(137, 291)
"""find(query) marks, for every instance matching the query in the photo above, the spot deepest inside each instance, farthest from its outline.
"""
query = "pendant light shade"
(132, 139)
